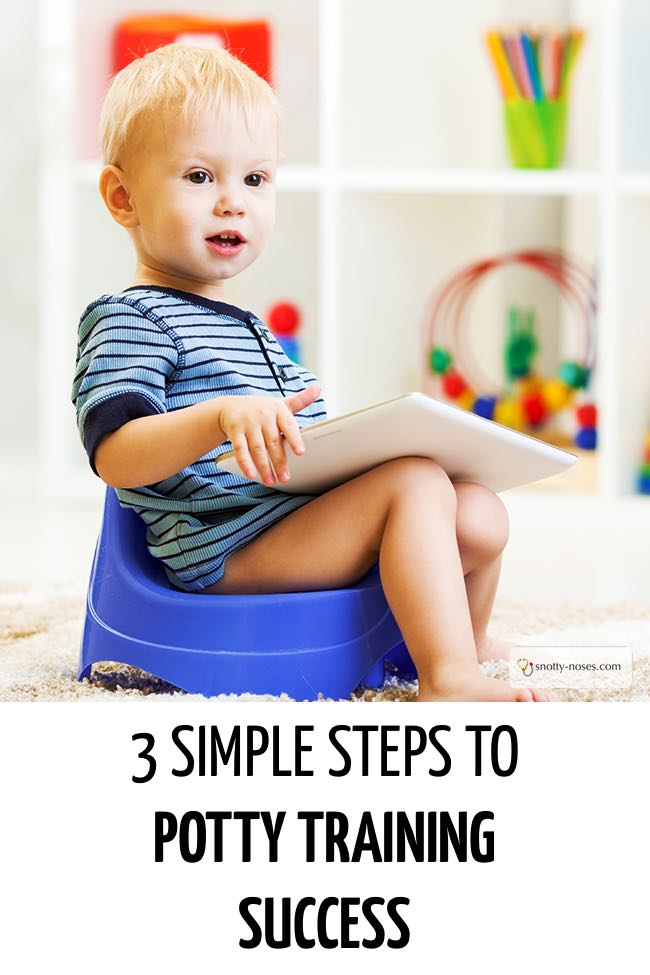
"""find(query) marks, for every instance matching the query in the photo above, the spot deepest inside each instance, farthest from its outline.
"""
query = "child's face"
(191, 182)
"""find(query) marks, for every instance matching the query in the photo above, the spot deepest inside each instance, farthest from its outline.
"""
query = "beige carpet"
(40, 629)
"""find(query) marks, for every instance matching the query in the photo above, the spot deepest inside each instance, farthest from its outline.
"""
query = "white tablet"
(468, 447)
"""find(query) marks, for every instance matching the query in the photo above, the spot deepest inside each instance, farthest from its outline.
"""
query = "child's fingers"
(297, 401)
(260, 456)
(275, 447)
(242, 455)
(290, 428)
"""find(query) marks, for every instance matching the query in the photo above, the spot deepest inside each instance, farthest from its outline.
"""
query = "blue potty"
(299, 643)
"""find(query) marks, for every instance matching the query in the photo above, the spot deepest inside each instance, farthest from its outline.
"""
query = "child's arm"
(152, 448)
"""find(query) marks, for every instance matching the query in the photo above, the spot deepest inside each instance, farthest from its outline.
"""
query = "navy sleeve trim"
(111, 414)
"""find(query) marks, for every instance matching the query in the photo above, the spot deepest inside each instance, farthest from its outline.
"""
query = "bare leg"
(482, 531)
(405, 513)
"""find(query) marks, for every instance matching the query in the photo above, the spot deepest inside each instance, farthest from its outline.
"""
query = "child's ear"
(115, 194)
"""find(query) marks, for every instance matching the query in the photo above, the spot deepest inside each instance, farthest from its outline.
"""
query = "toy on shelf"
(644, 473)
(284, 321)
(534, 70)
(527, 399)
(248, 40)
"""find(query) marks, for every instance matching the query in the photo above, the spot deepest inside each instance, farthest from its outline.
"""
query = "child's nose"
(230, 200)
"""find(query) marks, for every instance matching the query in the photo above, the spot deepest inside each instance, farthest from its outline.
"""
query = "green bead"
(645, 470)
(440, 359)
(573, 374)
(521, 344)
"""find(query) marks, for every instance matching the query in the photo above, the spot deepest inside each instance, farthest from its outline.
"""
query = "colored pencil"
(520, 67)
(577, 37)
(529, 54)
(504, 72)
(535, 66)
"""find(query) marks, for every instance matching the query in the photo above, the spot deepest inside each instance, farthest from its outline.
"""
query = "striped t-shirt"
(152, 350)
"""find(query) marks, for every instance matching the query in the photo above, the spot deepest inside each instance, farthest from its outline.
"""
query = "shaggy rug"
(40, 629)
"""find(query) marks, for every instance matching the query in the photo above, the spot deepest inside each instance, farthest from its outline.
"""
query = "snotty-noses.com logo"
(571, 667)
(525, 665)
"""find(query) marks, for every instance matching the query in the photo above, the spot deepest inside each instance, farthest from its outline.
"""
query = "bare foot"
(475, 686)
(492, 649)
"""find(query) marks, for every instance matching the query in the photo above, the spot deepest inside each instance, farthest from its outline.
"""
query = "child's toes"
(543, 696)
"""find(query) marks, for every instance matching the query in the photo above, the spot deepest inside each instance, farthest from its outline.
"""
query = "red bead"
(284, 318)
(587, 415)
(535, 408)
(453, 384)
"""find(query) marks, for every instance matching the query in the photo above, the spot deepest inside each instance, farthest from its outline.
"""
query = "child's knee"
(410, 476)
(482, 522)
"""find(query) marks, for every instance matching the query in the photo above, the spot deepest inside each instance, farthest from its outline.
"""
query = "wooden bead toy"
(453, 384)
(528, 399)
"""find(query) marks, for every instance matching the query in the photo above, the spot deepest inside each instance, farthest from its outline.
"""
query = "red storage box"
(248, 40)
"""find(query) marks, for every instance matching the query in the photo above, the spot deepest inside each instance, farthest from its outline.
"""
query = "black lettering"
(478, 729)
(256, 937)
(442, 751)
(275, 753)
(216, 748)
(176, 738)
(385, 748)
(347, 920)
(284, 941)
(302, 940)
(300, 748)
(335, 832)
(251, 751)
(347, 762)
(146, 754)
(273, 832)
(323, 938)
(475, 838)
(405, 832)
(402, 926)
(365, 730)
(458, 837)
(514, 750)
(201, 762)
(366, 839)
(310, 819)
(246, 820)
(187, 820)
(376, 924)
(165, 829)
(410, 749)
(218, 818)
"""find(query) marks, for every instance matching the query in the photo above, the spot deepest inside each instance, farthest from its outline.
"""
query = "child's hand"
(255, 424)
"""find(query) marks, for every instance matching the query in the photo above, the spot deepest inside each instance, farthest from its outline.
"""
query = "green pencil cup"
(535, 132)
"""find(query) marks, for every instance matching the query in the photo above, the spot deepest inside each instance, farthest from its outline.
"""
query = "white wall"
(18, 226)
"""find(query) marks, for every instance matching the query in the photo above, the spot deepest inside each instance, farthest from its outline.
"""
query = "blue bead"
(290, 346)
(484, 406)
(644, 485)
(586, 438)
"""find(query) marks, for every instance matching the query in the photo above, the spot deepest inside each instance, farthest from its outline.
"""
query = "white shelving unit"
(396, 175)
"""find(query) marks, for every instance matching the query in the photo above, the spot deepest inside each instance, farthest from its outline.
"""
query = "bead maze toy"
(528, 400)
(284, 320)
(644, 473)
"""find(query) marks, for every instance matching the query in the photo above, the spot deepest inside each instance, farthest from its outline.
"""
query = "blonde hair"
(186, 79)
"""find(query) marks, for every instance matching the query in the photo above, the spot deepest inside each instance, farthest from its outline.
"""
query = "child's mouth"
(224, 245)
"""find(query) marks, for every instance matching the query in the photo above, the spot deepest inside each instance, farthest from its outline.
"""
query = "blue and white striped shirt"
(152, 350)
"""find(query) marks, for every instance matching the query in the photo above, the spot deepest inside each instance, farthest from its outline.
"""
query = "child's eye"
(257, 176)
(199, 173)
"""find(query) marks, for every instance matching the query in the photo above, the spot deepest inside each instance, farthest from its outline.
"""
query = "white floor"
(561, 548)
